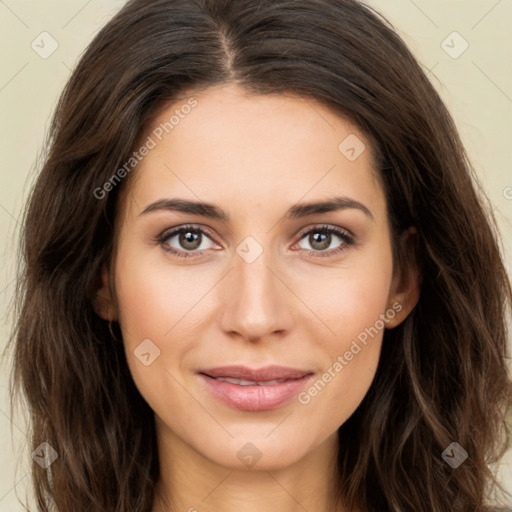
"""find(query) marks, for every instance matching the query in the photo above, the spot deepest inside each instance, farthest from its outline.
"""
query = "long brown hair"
(442, 375)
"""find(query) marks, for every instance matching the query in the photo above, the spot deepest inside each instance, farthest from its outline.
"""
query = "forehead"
(225, 145)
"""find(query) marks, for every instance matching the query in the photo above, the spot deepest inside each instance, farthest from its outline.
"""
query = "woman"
(258, 274)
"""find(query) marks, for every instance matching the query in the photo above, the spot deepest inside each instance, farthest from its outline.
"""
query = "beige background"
(477, 86)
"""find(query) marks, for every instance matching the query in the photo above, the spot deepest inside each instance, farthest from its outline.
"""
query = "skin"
(254, 157)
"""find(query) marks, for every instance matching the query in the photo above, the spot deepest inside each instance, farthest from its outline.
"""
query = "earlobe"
(393, 315)
(103, 302)
(405, 288)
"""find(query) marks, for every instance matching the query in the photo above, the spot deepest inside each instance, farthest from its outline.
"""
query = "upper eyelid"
(168, 233)
(328, 227)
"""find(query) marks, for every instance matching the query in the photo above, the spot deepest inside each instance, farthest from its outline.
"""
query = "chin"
(259, 452)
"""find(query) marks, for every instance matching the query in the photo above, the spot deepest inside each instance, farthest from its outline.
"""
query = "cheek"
(154, 304)
(351, 298)
(153, 311)
(352, 305)
(154, 298)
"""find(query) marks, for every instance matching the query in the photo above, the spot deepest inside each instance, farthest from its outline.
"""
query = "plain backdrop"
(464, 44)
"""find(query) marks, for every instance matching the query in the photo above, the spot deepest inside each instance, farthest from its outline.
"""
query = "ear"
(405, 287)
(103, 301)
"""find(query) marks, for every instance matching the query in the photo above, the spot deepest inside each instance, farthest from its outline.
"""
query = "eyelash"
(347, 238)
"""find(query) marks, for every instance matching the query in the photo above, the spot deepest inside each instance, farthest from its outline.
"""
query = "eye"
(185, 241)
(321, 238)
(189, 241)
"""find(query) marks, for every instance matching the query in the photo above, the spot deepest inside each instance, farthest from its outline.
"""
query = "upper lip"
(263, 374)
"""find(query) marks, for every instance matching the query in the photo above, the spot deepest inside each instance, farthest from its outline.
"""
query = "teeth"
(242, 382)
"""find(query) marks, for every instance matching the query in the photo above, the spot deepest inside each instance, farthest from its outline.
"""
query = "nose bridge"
(256, 304)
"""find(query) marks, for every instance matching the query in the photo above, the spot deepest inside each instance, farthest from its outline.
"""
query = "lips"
(250, 389)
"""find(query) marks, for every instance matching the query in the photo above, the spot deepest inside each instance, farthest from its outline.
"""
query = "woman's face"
(268, 283)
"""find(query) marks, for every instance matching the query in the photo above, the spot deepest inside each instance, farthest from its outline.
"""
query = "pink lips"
(254, 389)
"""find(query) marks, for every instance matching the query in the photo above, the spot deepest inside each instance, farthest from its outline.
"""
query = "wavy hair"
(442, 376)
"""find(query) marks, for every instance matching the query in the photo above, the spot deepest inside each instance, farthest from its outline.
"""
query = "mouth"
(242, 382)
(249, 389)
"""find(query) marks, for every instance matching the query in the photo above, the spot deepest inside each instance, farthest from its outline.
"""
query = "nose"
(256, 302)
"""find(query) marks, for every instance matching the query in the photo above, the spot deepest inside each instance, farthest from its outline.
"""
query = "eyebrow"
(295, 212)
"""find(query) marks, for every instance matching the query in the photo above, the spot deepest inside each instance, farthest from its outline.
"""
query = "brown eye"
(185, 241)
(322, 238)
(189, 240)
(320, 241)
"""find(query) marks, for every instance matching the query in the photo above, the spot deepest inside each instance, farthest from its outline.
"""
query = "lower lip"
(255, 398)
